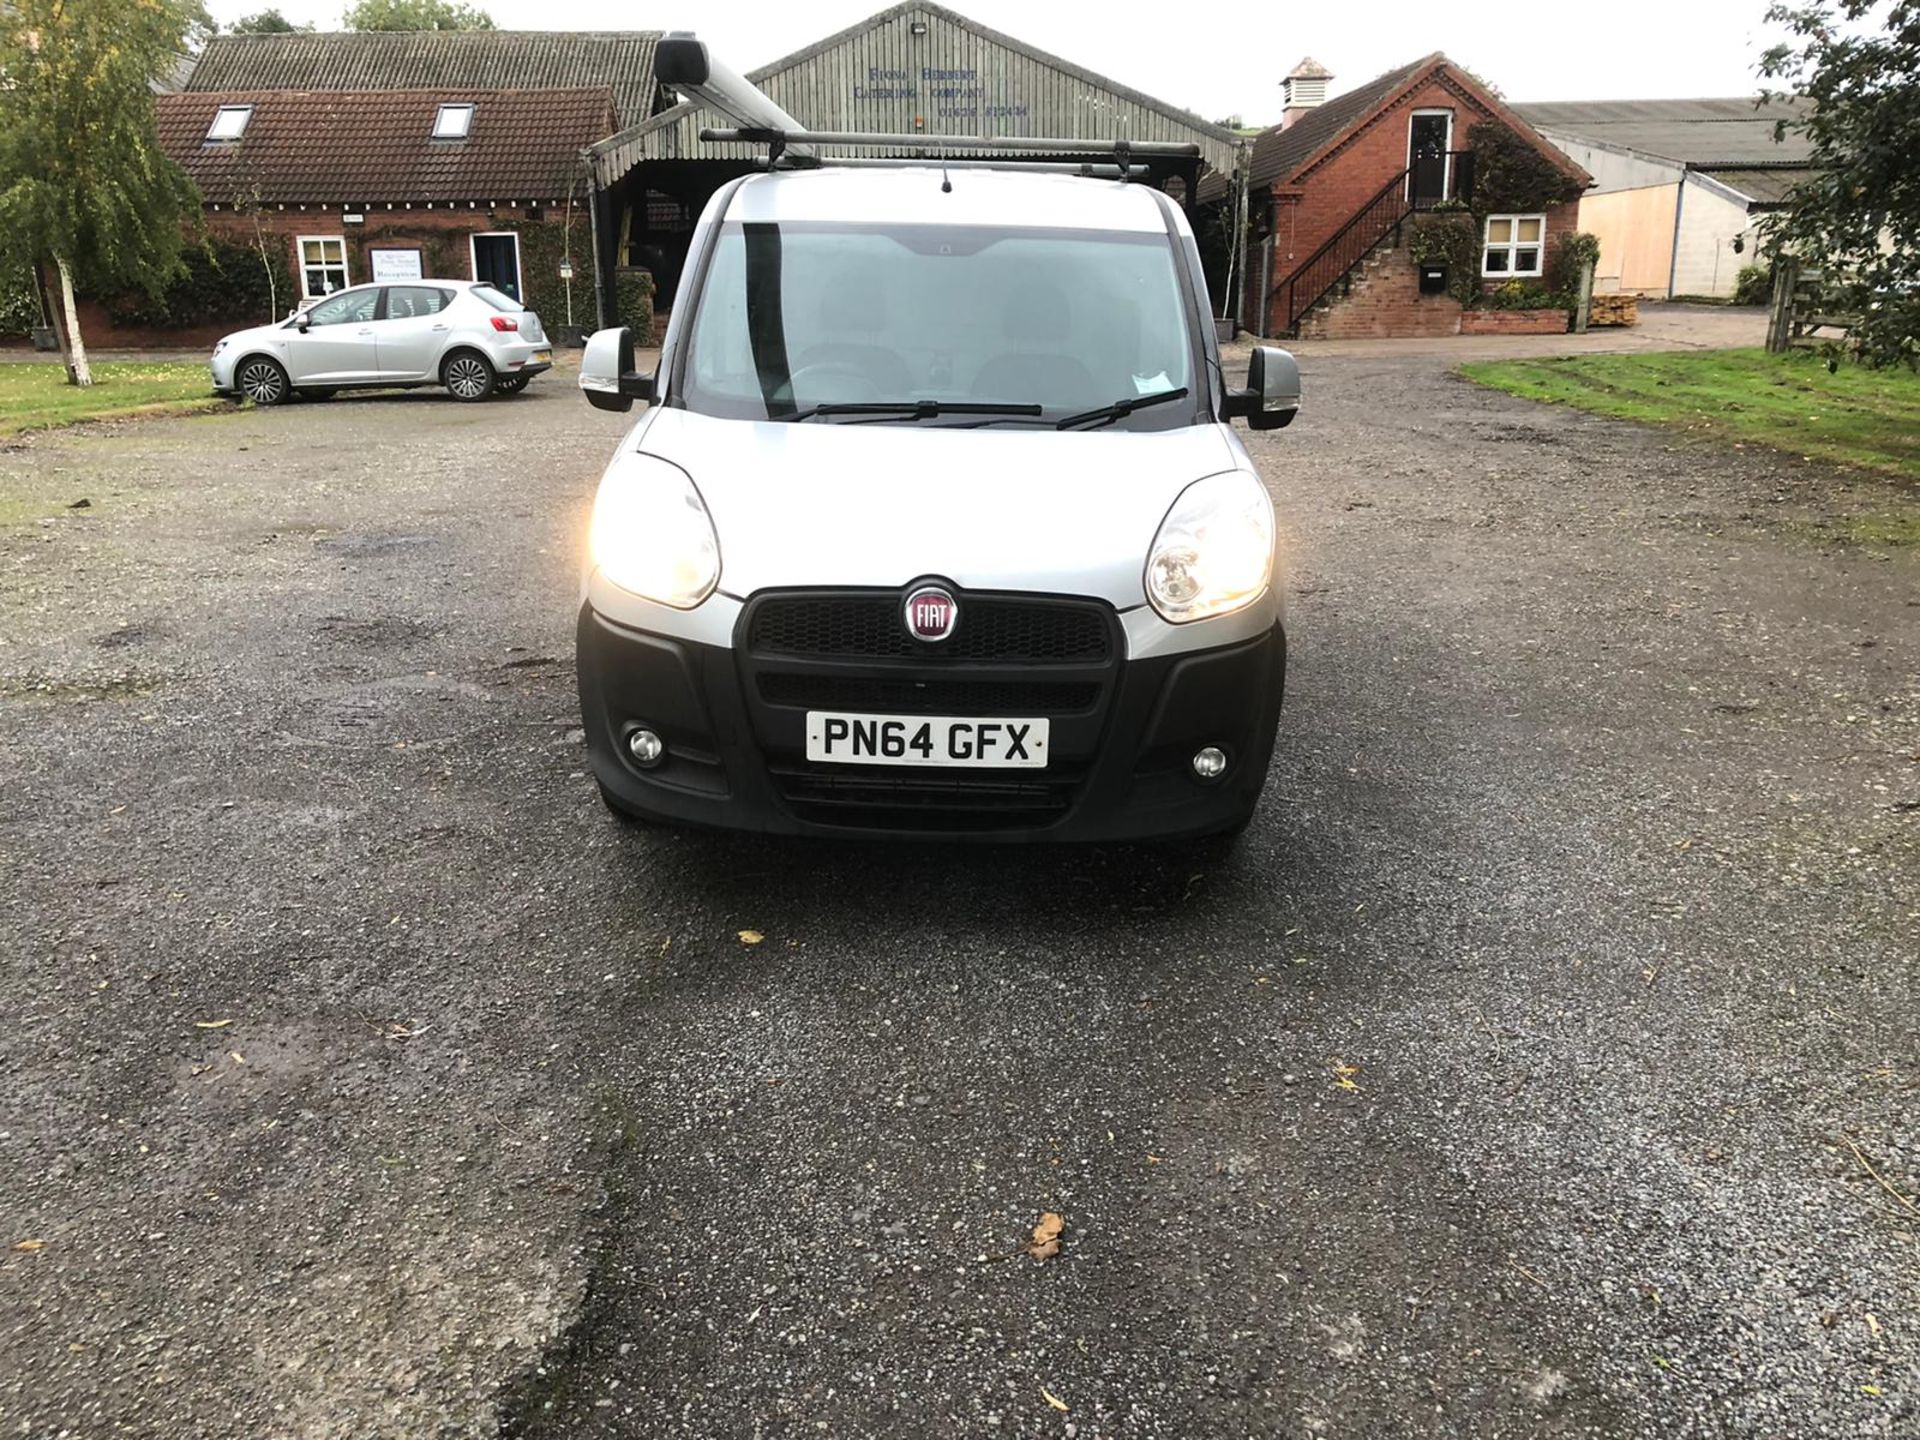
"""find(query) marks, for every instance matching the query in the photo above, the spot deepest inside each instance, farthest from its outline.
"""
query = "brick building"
(349, 157)
(1335, 188)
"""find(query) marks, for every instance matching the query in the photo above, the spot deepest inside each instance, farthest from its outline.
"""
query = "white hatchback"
(466, 335)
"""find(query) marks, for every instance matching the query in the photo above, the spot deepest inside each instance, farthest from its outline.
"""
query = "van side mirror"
(1272, 396)
(607, 374)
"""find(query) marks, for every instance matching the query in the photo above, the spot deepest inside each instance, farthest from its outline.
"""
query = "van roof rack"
(684, 63)
(781, 142)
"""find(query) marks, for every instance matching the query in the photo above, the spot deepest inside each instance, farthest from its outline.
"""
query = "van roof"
(911, 195)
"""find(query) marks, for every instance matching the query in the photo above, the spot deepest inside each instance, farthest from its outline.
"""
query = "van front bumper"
(1120, 766)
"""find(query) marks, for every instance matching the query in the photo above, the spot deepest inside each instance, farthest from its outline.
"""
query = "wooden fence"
(1802, 308)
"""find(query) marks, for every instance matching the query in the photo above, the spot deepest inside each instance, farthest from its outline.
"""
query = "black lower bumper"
(736, 760)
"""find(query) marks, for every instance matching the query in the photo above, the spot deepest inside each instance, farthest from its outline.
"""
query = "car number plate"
(1003, 744)
(543, 357)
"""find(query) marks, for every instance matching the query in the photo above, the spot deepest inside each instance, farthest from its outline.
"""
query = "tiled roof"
(1279, 152)
(439, 60)
(355, 147)
(1733, 131)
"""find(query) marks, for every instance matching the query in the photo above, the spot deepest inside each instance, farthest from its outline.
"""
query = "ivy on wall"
(1511, 176)
(221, 282)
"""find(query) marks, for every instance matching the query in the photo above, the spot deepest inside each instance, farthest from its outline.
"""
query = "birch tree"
(84, 188)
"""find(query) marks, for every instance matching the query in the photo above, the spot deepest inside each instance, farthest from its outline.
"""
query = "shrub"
(633, 301)
(222, 282)
(19, 305)
(1754, 287)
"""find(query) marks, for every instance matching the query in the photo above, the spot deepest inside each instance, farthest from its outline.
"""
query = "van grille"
(870, 626)
(928, 697)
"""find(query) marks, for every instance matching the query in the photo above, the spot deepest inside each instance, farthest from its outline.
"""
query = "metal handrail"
(1314, 278)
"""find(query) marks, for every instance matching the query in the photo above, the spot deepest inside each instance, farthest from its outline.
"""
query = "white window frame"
(440, 120)
(473, 258)
(1513, 247)
(300, 255)
(245, 112)
(1446, 149)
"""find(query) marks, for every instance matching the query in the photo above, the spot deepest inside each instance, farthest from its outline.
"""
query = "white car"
(935, 526)
(463, 334)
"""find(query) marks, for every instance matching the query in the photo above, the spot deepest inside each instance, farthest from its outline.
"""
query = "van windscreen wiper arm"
(910, 409)
(1107, 414)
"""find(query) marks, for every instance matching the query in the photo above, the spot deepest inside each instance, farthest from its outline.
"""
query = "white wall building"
(1680, 186)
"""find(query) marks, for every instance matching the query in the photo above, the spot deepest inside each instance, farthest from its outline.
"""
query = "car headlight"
(651, 533)
(1214, 551)
(218, 346)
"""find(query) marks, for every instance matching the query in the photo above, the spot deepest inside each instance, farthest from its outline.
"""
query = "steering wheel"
(832, 369)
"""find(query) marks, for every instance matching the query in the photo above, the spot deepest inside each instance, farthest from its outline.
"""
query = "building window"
(1514, 245)
(453, 122)
(230, 122)
(323, 264)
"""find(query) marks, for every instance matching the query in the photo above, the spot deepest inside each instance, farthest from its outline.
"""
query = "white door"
(338, 346)
(414, 332)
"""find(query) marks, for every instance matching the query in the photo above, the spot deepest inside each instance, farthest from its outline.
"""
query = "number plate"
(543, 357)
(926, 740)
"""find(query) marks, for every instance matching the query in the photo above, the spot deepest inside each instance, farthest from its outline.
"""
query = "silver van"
(934, 525)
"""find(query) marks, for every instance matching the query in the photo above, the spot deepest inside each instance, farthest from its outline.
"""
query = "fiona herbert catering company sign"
(391, 265)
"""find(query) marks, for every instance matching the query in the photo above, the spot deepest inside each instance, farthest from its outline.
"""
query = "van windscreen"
(795, 316)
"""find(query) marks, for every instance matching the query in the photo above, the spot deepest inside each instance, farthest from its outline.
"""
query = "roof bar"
(684, 63)
(935, 162)
(789, 139)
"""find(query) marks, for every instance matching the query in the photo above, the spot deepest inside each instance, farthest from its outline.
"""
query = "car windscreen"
(497, 299)
(795, 316)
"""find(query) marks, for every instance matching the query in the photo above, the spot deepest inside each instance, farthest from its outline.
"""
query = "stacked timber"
(1614, 310)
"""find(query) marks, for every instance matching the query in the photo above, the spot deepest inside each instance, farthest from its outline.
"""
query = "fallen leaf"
(29, 1245)
(1046, 1237)
(1872, 1389)
(1873, 1325)
(238, 1058)
(1052, 1399)
(751, 937)
(211, 1024)
(1344, 1073)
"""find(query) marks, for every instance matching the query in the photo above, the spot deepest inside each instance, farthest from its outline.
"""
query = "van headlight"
(1214, 551)
(651, 533)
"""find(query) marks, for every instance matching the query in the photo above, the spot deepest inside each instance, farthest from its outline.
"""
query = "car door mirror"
(303, 322)
(1272, 396)
(607, 374)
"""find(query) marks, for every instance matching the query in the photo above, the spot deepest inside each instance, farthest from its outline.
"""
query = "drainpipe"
(593, 241)
(1679, 203)
(1266, 288)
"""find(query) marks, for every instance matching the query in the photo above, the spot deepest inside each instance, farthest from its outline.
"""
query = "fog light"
(646, 748)
(1210, 762)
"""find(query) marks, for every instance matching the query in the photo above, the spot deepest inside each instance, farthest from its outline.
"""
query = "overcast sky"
(1233, 62)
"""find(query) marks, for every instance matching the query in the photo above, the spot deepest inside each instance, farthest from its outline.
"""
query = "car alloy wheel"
(263, 382)
(469, 377)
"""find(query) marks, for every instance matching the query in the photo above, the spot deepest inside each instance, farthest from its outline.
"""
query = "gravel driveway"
(1520, 1074)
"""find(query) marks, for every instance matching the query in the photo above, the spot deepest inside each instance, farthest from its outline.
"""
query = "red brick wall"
(1334, 190)
(440, 234)
(1385, 303)
(1513, 322)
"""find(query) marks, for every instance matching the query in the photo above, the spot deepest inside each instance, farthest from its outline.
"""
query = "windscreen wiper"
(1107, 414)
(910, 409)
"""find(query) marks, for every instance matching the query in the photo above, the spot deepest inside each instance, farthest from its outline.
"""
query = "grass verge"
(1869, 419)
(36, 396)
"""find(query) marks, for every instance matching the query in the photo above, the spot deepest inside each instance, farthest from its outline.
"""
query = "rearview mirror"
(607, 374)
(1272, 396)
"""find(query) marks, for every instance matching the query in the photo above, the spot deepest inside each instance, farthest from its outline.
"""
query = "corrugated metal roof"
(358, 147)
(439, 60)
(1765, 186)
(955, 77)
(1734, 131)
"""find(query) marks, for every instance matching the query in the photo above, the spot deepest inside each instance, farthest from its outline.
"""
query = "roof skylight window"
(230, 122)
(453, 122)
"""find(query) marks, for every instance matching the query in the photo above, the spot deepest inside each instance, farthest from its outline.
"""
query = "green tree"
(416, 15)
(1858, 217)
(84, 186)
(267, 22)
